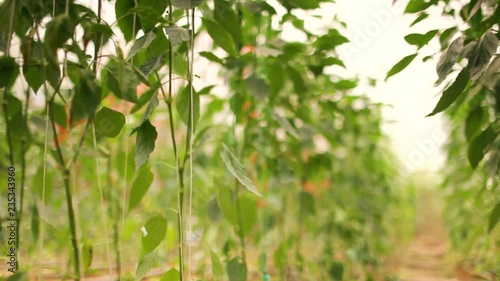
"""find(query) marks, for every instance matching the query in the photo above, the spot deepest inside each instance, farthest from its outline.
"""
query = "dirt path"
(424, 260)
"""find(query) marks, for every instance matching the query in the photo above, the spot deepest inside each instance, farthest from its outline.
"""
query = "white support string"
(125, 183)
(44, 182)
(124, 195)
(103, 207)
(191, 140)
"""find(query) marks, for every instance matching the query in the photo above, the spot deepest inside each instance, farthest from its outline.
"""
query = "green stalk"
(299, 219)
(69, 199)
(23, 168)
(11, 159)
(112, 210)
(7, 129)
(180, 170)
(241, 232)
(283, 232)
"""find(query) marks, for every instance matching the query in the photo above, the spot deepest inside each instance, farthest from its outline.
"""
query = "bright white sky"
(376, 30)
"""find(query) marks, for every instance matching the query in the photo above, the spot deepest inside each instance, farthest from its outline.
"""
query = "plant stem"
(69, 199)
(180, 173)
(98, 47)
(7, 129)
(23, 168)
(241, 232)
(283, 232)
(239, 80)
(299, 222)
(113, 211)
(11, 158)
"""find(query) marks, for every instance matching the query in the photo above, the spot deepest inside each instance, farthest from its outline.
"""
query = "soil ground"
(426, 257)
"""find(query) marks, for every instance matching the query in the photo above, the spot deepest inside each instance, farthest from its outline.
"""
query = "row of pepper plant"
(468, 64)
(133, 159)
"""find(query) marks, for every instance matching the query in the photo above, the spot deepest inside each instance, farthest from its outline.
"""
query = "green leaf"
(494, 217)
(280, 255)
(59, 30)
(420, 40)
(206, 90)
(145, 266)
(145, 143)
(213, 210)
(449, 58)
(481, 55)
(9, 70)
(276, 77)
(248, 212)
(186, 4)
(35, 222)
(332, 61)
(37, 183)
(211, 57)
(446, 36)
(34, 74)
(346, 84)
(153, 64)
(177, 34)
(149, 17)
(154, 15)
(286, 125)
(220, 36)
(473, 9)
(141, 44)
(402, 64)
(153, 104)
(226, 201)
(140, 186)
(226, 16)
(160, 45)
(491, 76)
(337, 271)
(416, 6)
(156, 228)
(87, 97)
(330, 40)
(302, 4)
(473, 123)
(420, 18)
(140, 75)
(126, 20)
(236, 168)
(99, 33)
(480, 146)
(122, 80)
(298, 81)
(145, 98)
(87, 254)
(306, 204)
(217, 268)
(183, 105)
(257, 87)
(171, 275)
(180, 65)
(53, 74)
(451, 94)
(236, 270)
(109, 122)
